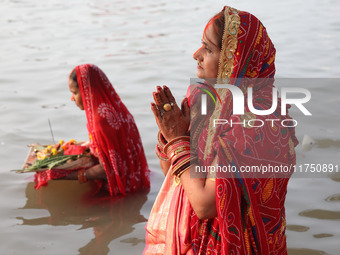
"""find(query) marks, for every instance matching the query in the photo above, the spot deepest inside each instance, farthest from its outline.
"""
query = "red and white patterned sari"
(113, 135)
(251, 214)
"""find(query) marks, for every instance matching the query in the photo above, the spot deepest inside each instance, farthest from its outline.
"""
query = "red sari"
(113, 134)
(251, 214)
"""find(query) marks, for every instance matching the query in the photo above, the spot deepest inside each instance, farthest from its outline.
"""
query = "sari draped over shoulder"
(113, 134)
(250, 207)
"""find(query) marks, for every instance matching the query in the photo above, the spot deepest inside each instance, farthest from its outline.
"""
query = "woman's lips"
(199, 67)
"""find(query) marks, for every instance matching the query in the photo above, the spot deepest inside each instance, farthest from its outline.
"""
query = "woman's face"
(208, 55)
(76, 95)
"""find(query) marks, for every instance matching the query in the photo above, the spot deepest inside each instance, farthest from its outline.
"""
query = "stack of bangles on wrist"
(178, 152)
(160, 147)
(82, 176)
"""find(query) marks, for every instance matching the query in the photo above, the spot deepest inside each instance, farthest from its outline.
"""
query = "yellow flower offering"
(54, 151)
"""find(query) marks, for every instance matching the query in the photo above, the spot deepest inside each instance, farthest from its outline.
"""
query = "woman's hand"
(85, 144)
(172, 122)
(96, 172)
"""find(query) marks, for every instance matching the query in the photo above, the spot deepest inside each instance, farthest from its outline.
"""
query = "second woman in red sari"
(116, 147)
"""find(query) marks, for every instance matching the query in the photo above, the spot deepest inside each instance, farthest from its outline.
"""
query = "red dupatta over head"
(114, 137)
(251, 215)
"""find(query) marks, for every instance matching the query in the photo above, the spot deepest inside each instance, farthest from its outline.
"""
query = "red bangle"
(82, 176)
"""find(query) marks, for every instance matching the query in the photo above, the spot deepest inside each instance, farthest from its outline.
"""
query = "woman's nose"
(197, 55)
(72, 98)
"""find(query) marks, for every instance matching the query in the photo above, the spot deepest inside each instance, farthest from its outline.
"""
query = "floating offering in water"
(63, 156)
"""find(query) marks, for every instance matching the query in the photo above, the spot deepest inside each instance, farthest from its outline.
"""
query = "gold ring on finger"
(167, 107)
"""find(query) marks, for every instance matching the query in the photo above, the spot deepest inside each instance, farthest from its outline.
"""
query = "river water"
(141, 44)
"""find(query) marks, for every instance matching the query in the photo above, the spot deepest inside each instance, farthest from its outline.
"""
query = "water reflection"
(321, 214)
(70, 203)
(335, 177)
(327, 143)
(333, 198)
(322, 235)
(297, 228)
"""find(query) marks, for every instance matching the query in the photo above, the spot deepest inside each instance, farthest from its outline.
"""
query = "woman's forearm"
(165, 165)
(201, 194)
(93, 173)
(173, 124)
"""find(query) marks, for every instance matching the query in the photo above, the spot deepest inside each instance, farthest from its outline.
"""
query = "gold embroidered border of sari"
(226, 65)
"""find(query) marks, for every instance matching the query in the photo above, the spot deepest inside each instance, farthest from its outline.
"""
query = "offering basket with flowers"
(71, 155)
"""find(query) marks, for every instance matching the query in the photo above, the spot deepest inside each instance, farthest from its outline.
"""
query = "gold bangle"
(160, 154)
(185, 138)
(178, 176)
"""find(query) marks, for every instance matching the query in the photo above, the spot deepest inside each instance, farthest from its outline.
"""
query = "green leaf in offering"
(48, 162)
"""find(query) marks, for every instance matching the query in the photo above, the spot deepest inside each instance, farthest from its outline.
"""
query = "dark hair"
(218, 25)
(73, 76)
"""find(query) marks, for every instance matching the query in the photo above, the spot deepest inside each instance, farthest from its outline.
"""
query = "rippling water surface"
(141, 44)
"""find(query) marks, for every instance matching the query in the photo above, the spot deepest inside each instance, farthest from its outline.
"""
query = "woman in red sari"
(120, 164)
(223, 212)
